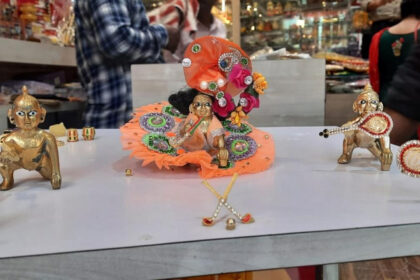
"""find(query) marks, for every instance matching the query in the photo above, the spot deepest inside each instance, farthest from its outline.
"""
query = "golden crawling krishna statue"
(28, 146)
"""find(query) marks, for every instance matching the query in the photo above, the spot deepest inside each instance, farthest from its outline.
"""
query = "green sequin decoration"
(220, 94)
(158, 143)
(151, 122)
(170, 110)
(196, 48)
(244, 144)
(244, 61)
(212, 86)
(243, 129)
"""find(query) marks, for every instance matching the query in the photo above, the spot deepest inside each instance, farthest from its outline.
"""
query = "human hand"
(173, 38)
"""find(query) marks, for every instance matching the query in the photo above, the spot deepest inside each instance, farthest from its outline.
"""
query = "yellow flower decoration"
(260, 83)
(237, 116)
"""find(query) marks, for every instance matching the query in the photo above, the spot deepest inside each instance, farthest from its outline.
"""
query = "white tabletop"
(99, 207)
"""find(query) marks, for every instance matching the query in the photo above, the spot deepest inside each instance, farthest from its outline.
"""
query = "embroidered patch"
(240, 147)
(172, 111)
(158, 143)
(157, 122)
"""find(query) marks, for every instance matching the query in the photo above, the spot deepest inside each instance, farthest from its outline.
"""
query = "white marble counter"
(305, 194)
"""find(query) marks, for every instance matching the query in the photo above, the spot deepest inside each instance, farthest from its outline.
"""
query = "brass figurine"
(370, 130)
(202, 130)
(28, 146)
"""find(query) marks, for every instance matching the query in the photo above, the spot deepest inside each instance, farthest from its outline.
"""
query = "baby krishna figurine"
(369, 130)
(28, 146)
(201, 124)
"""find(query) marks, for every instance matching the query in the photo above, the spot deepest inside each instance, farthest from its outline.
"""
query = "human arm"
(116, 37)
(404, 128)
(403, 100)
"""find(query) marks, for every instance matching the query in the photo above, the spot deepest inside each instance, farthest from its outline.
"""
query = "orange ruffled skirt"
(146, 135)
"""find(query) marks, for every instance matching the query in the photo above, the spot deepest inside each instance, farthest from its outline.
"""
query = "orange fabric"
(205, 64)
(132, 134)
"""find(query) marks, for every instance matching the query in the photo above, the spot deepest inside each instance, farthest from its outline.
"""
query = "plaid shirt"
(110, 36)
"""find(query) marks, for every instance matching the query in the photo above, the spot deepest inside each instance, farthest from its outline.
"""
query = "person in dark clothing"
(403, 99)
(110, 36)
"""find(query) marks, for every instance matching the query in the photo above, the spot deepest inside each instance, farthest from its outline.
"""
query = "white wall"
(295, 97)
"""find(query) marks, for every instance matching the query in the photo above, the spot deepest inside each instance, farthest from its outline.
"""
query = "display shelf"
(18, 51)
(103, 225)
(310, 19)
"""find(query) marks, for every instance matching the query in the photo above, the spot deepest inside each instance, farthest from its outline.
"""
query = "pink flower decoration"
(252, 102)
(224, 111)
(237, 76)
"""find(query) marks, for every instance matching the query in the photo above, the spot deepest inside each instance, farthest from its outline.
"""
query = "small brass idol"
(28, 146)
(202, 130)
(370, 130)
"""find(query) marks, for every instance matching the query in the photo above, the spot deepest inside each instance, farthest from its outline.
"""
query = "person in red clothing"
(390, 47)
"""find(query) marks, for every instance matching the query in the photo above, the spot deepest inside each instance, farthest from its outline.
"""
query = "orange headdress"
(208, 63)
(220, 68)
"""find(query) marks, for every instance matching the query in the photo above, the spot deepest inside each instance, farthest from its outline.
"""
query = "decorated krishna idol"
(202, 124)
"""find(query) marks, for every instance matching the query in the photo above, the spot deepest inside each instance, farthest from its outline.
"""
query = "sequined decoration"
(157, 122)
(196, 48)
(233, 128)
(408, 158)
(244, 61)
(172, 111)
(212, 86)
(227, 60)
(240, 147)
(158, 143)
(186, 62)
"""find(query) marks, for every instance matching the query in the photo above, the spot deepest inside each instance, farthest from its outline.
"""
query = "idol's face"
(365, 104)
(26, 118)
(202, 105)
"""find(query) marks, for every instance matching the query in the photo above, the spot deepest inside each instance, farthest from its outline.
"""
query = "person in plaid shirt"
(110, 36)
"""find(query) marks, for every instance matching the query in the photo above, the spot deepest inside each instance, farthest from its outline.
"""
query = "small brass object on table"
(72, 135)
(28, 146)
(128, 172)
(230, 224)
(88, 133)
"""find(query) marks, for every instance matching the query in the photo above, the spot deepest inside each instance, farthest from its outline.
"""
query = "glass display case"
(299, 26)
